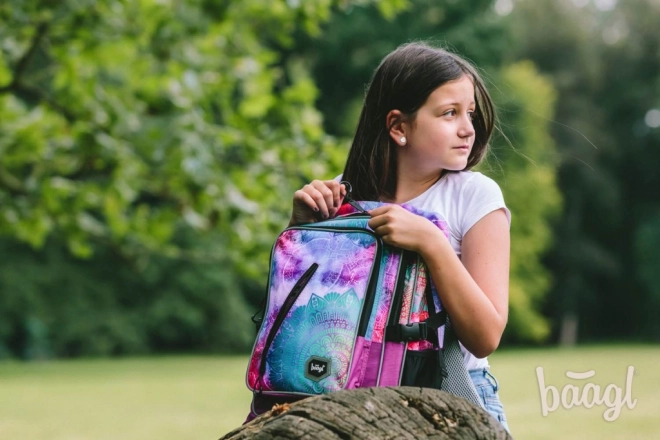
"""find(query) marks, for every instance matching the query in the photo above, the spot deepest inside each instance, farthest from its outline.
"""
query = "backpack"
(344, 310)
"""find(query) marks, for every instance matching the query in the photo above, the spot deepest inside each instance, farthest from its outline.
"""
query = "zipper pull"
(349, 199)
(355, 205)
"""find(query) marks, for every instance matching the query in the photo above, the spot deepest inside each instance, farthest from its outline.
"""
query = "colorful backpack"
(344, 310)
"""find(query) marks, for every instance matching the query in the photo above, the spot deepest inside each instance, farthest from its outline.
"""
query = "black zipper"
(370, 295)
(286, 307)
(355, 205)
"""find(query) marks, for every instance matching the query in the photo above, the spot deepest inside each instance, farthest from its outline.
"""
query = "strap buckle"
(415, 331)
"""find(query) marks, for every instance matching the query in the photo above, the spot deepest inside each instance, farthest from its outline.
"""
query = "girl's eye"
(451, 112)
(472, 115)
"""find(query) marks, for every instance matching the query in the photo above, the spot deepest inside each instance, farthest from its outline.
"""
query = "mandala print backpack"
(344, 310)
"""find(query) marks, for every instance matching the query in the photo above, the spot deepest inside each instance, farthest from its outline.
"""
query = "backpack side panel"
(418, 311)
(371, 346)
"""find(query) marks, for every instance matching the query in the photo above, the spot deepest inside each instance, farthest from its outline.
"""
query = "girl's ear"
(396, 123)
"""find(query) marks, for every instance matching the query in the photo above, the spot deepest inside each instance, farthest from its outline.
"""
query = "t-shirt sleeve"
(481, 196)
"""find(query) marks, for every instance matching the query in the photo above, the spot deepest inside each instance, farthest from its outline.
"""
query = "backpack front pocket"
(319, 285)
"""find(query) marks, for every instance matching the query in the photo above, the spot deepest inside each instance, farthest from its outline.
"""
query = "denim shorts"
(487, 386)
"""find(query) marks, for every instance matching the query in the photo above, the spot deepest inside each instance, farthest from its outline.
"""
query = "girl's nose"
(466, 129)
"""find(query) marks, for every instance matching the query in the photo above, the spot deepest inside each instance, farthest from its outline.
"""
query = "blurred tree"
(124, 125)
(603, 59)
(356, 40)
(122, 121)
(525, 166)
(162, 141)
(55, 304)
(630, 96)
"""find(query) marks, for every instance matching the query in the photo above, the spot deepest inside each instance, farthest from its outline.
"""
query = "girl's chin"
(456, 167)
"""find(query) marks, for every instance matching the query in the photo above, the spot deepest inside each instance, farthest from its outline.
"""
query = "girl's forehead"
(461, 89)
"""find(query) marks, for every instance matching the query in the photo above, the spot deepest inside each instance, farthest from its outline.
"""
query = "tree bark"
(375, 413)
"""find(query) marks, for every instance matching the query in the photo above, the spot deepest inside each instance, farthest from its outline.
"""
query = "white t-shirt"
(463, 199)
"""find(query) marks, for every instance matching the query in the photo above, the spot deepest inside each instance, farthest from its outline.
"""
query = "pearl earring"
(403, 140)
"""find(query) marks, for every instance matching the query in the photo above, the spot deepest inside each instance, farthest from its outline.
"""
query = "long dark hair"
(403, 81)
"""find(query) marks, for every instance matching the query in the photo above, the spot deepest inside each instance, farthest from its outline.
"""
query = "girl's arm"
(474, 290)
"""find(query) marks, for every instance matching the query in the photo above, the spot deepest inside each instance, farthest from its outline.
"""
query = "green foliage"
(647, 243)
(524, 163)
(55, 304)
(119, 120)
(149, 150)
(603, 64)
(124, 124)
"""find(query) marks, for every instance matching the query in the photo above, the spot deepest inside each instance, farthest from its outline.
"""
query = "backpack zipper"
(286, 307)
(349, 199)
(370, 294)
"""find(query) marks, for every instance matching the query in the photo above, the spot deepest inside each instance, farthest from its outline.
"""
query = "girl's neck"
(410, 186)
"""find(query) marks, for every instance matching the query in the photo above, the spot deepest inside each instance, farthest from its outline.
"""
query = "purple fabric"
(392, 363)
(371, 375)
(251, 416)
(358, 368)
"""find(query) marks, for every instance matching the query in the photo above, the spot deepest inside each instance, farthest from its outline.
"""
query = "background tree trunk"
(375, 413)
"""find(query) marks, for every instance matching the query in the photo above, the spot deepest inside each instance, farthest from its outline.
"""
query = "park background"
(149, 151)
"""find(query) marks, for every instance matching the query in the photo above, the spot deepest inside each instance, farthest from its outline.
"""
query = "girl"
(426, 121)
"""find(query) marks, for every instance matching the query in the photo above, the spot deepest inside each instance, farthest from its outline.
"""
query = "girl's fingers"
(324, 198)
(315, 191)
(380, 210)
(338, 194)
(342, 194)
(334, 186)
(379, 217)
(301, 197)
(378, 222)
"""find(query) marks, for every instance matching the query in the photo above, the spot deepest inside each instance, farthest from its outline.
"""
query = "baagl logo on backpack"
(317, 368)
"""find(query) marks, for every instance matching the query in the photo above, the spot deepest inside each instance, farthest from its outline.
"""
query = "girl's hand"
(401, 228)
(316, 200)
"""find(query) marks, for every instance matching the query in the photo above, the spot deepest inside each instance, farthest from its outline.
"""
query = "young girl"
(426, 121)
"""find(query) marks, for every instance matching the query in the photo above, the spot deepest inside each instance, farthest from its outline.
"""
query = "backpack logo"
(317, 368)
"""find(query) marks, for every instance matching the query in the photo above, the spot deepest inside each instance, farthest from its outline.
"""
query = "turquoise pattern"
(324, 327)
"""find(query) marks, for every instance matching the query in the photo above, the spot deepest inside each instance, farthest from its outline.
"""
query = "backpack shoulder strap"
(458, 380)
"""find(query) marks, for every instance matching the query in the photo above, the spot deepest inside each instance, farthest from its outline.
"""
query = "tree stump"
(375, 413)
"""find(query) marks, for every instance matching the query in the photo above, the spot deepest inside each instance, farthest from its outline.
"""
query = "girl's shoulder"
(466, 184)
(463, 198)
(469, 177)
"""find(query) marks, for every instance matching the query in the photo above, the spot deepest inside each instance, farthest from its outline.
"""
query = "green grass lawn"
(204, 397)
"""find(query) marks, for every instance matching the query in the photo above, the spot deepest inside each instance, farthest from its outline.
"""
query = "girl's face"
(442, 134)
